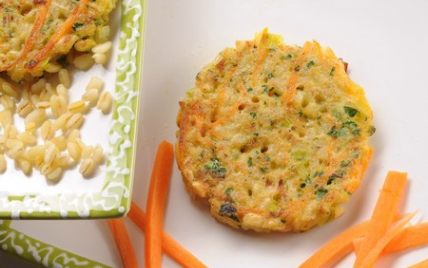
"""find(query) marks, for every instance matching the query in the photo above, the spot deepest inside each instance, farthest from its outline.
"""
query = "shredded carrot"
(409, 237)
(337, 248)
(156, 201)
(374, 253)
(169, 245)
(422, 264)
(35, 32)
(65, 28)
(383, 214)
(121, 237)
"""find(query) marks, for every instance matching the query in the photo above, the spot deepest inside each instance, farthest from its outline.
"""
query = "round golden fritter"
(274, 137)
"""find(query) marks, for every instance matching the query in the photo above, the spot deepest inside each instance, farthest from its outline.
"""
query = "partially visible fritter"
(34, 34)
(274, 137)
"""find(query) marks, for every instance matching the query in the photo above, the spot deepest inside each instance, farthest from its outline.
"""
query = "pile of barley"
(51, 142)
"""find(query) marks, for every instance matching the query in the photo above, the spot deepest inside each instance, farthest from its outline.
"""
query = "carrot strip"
(422, 264)
(374, 253)
(66, 27)
(169, 245)
(409, 237)
(383, 214)
(35, 32)
(412, 236)
(121, 237)
(337, 248)
(156, 201)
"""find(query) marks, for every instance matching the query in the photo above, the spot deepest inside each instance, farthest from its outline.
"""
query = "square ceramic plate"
(107, 193)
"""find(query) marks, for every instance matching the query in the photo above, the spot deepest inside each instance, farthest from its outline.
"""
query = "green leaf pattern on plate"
(40, 253)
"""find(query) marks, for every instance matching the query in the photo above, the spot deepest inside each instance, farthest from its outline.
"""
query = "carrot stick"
(156, 201)
(422, 264)
(409, 237)
(337, 248)
(383, 214)
(121, 237)
(374, 253)
(65, 28)
(412, 236)
(169, 245)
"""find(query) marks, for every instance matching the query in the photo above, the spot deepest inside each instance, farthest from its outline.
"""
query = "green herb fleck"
(310, 64)
(332, 71)
(253, 115)
(345, 163)
(320, 193)
(318, 173)
(256, 134)
(234, 217)
(334, 132)
(228, 191)
(249, 89)
(263, 169)
(77, 25)
(267, 158)
(250, 162)
(265, 88)
(350, 111)
(371, 130)
(270, 75)
(287, 122)
(330, 180)
(215, 168)
(353, 127)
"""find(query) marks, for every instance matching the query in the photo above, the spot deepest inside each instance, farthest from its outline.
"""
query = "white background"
(385, 44)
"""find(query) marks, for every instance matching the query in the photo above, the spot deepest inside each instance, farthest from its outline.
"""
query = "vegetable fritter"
(274, 137)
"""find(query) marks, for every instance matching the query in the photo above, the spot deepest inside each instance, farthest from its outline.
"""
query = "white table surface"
(385, 43)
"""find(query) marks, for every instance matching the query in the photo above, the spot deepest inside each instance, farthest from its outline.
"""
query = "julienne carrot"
(383, 215)
(35, 32)
(121, 237)
(156, 200)
(337, 248)
(169, 245)
(374, 253)
(410, 237)
(422, 264)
